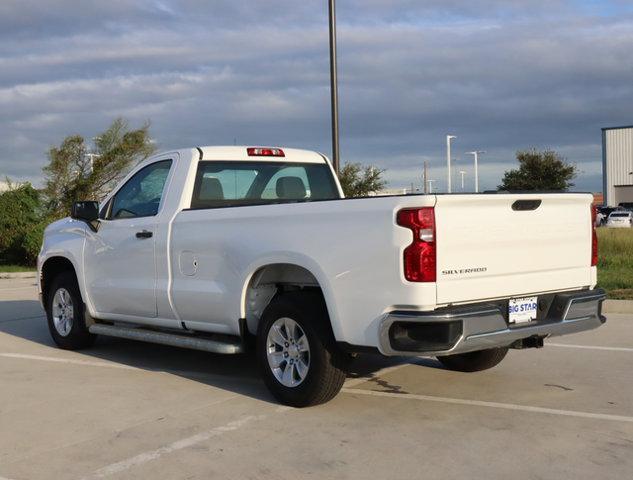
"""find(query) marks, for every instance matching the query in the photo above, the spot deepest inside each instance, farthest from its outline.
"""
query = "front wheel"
(298, 357)
(474, 361)
(65, 314)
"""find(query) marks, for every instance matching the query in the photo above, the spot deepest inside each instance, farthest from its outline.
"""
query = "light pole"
(430, 182)
(91, 158)
(425, 176)
(462, 173)
(448, 160)
(334, 85)
(476, 155)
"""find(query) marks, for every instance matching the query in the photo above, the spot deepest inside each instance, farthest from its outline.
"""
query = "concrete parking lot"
(132, 410)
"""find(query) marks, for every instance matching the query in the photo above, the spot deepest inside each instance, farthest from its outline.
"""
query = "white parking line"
(34, 317)
(353, 382)
(87, 363)
(26, 287)
(145, 457)
(591, 347)
(479, 403)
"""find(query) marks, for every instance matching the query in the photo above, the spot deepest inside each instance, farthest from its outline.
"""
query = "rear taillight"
(594, 238)
(419, 257)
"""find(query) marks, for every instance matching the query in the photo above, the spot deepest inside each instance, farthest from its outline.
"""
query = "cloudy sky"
(502, 75)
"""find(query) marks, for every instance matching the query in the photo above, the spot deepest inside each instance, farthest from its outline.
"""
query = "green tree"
(75, 173)
(21, 224)
(360, 181)
(546, 170)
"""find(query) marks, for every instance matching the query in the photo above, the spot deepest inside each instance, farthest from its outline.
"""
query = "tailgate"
(490, 246)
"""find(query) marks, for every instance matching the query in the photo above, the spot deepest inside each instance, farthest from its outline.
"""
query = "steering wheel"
(124, 210)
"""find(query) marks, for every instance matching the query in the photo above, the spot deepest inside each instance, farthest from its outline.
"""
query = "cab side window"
(141, 194)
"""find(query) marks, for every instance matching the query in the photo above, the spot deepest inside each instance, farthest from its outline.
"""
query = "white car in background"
(600, 219)
(620, 219)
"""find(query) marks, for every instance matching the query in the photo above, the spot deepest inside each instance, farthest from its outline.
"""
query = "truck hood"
(59, 225)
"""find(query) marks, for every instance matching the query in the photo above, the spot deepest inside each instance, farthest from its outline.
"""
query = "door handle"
(525, 205)
(144, 234)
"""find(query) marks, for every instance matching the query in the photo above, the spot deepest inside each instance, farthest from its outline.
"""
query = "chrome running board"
(226, 345)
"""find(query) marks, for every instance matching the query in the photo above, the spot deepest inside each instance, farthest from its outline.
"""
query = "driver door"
(120, 259)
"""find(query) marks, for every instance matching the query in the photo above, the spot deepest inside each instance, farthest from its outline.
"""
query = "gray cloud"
(500, 75)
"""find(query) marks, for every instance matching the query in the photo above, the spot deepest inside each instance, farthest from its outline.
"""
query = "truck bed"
(354, 249)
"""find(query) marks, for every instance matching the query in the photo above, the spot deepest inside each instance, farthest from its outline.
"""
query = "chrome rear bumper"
(469, 328)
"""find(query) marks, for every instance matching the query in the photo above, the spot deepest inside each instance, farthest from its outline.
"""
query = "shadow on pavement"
(236, 373)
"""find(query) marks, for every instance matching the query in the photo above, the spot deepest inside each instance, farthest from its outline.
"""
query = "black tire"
(78, 336)
(474, 361)
(326, 372)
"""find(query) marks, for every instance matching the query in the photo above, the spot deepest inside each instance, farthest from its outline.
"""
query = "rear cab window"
(228, 184)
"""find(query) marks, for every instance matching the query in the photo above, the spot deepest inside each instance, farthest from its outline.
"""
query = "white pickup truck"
(208, 247)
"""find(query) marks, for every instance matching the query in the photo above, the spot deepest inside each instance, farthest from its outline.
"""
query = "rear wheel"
(65, 314)
(474, 361)
(298, 357)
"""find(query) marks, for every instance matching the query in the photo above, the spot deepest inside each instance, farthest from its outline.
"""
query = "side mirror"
(86, 212)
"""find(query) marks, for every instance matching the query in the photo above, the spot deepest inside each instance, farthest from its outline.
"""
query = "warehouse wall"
(617, 151)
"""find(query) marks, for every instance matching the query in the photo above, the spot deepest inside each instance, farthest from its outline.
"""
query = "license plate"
(522, 310)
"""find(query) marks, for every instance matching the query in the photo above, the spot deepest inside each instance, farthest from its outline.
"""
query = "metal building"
(617, 165)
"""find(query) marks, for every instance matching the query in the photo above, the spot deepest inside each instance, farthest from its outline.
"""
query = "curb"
(18, 274)
(617, 306)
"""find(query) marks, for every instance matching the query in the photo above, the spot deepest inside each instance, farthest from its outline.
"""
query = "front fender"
(65, 239)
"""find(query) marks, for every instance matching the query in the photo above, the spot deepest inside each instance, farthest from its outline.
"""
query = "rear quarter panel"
(352, 247)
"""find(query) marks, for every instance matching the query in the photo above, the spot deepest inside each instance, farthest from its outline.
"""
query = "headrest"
(211, 189)
(291, 188)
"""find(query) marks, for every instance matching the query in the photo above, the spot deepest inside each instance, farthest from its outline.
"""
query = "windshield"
(621, 215)
(226, 184)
